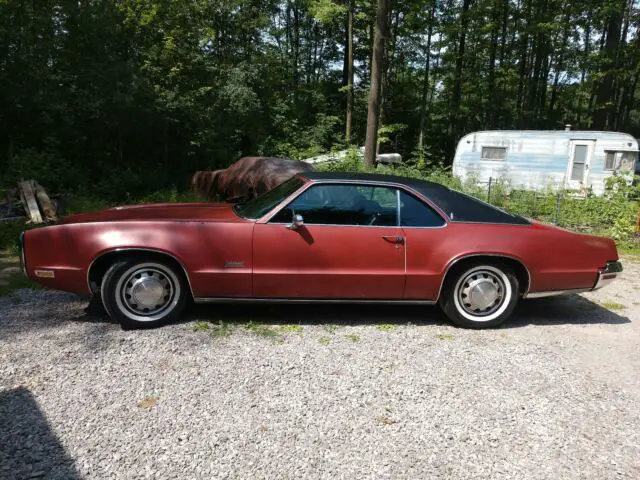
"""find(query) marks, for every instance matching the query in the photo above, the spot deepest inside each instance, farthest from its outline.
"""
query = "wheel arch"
(101, 263)
(518, 266)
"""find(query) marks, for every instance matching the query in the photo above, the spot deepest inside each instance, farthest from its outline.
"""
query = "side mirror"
(296, 222)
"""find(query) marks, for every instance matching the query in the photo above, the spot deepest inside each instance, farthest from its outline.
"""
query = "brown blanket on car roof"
(248, 178)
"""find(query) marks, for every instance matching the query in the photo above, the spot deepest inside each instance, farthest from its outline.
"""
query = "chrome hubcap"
(147, 291)
(481, 292)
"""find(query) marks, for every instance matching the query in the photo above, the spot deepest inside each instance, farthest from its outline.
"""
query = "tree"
(377, 66)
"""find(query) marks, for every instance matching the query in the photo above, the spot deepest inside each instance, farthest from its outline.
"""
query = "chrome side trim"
(552, 293)
(309, 300)
(139, 249)
(496, 255)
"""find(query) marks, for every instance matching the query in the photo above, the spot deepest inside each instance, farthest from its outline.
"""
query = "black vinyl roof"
(373, 177)
(458, 206)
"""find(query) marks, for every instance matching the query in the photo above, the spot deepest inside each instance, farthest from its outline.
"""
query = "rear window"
(461, 207)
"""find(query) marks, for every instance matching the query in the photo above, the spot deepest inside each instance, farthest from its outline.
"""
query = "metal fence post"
(489, 191)
(555, 216)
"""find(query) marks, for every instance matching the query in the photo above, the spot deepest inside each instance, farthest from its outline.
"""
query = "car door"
(349, 247)
(426, 240)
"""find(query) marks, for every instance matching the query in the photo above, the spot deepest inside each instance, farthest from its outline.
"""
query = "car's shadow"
(572, 309)
(28, 446)
(567, 310)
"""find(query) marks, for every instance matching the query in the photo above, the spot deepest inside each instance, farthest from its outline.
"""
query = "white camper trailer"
(536, 159)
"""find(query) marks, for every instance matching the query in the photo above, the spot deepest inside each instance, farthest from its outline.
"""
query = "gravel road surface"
(323, 392)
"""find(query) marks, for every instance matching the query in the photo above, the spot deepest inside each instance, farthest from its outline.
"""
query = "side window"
(343, 205)
(415, 213)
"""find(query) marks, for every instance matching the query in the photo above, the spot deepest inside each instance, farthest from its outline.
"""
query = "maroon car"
(318, 237)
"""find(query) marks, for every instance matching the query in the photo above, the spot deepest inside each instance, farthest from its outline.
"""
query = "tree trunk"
(296, 51)
(585, 61)
(503, 38)
(349, 72)
(454, 120)
(377, 66)
(425, 85)
(629, 101)
(522, 74)
(604, 114)
(493, 51)
(559, 66)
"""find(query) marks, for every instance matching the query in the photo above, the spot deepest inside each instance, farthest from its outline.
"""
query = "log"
(29, 202)
(46, 206)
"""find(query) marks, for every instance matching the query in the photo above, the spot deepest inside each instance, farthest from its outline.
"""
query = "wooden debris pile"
(30, 200)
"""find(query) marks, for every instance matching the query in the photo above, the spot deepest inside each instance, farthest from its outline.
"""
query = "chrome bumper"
(608, 274)
(605, 276)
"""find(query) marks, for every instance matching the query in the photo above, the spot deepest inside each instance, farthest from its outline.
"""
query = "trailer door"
(580, 154)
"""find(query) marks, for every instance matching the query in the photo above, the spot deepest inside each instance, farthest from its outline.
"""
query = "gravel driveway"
(323, 392)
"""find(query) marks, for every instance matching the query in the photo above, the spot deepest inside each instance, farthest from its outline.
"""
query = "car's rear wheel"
(480, 295)
(143, 294)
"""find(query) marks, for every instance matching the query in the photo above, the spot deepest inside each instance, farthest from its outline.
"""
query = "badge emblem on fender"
(234, 265)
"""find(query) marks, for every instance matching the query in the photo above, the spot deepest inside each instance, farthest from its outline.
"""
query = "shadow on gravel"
(316, 314)
(563, 310)
(28, 447)
(572, 309)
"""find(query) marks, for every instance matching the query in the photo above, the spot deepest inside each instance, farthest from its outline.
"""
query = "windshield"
(258, 207)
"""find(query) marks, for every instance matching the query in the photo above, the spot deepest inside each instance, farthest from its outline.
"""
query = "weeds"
(17, 281)
(324, 341)
(386, 327)
(297, 329)
(332, 327)
(222, 330)
(388, 367)
(445, 337)
(201, 326)
(383, 419)
(261, 330)
(612, 305)
(354, 337)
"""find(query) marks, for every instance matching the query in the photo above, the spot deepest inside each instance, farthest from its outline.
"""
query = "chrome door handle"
(393, 238)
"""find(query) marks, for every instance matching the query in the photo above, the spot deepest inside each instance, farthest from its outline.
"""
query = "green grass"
(15, 282)
(324, 340)
(261, 330)
(201, 326)
(445, 337)
(297, 329)
(332, 327)
(386, 327)
(354, 337)
(629, 252)
(220, 330)
(609, 305)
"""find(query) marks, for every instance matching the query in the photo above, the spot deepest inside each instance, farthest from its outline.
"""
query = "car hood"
(209, 212)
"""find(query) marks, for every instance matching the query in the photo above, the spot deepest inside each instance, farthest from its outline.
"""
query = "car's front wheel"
(480, 295)
(143, 293)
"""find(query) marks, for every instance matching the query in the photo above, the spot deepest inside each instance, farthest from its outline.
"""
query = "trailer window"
(493, 153)
(620, 160)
